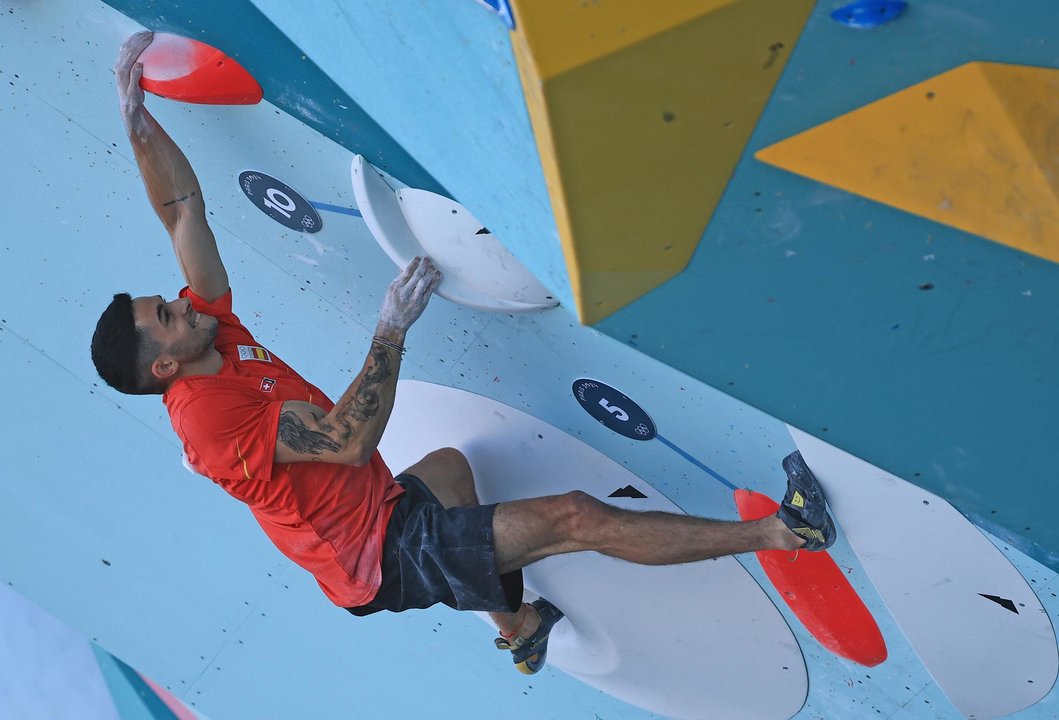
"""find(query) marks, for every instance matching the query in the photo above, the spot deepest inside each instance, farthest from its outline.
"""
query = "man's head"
(141, 345)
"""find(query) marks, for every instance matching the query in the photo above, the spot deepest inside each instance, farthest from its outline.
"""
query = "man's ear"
(165, 367)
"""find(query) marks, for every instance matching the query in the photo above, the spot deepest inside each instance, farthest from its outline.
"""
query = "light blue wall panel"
(428, 91)
(47, 670)
(289, 78)
(103, 525)
(441, 78)
(191, 592)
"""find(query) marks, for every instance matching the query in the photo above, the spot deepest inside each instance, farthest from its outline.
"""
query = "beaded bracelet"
(388, 343)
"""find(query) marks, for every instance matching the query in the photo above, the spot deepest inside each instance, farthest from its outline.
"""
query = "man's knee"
(452, 456)
(526, 531)
(579, 515)
(458, 466)
(448, 475)
(446, 462)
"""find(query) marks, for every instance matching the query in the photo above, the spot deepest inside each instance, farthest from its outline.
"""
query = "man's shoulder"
(210, 411)
(204, 391)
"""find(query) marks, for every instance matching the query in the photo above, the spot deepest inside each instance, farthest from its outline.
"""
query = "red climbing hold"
(818, 592)
(183, 69)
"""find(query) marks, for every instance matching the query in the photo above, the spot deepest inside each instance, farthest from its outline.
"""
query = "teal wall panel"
(923, 349)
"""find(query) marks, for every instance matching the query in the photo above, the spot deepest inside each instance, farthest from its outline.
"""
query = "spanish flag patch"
(253, 352)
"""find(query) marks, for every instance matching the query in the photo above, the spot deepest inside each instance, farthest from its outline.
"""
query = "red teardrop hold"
(183, 69)
(818, 592)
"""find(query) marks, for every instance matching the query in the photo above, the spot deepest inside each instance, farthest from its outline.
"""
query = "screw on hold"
(774, 53)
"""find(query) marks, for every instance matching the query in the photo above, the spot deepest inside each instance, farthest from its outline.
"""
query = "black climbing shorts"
(437, 555)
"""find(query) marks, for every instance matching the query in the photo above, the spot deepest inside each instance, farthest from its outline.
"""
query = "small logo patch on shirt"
(267, 384)
(253, 352)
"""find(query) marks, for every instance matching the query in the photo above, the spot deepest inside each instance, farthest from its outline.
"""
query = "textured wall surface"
(101, 525)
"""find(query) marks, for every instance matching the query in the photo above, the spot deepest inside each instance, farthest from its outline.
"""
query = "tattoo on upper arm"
(179, 199)
(299, 437)
(328, 427)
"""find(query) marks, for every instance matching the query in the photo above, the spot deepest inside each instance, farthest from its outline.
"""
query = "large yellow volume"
(641, 111)
(976, 148)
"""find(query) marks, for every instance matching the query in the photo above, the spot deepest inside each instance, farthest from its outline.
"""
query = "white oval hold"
(479, 272)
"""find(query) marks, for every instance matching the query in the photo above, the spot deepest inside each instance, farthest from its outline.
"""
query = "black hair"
(123, 353)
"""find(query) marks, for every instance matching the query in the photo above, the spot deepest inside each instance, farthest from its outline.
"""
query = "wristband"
(388, 343)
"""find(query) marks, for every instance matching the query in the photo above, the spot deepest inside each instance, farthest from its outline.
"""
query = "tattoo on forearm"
(299, 437)
(364, 403)
(179, 199)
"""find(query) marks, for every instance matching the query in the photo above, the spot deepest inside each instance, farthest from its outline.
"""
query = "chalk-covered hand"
(127, 74)
(407, 297)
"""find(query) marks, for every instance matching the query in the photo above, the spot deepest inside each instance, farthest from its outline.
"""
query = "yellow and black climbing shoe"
(529, 653)
(804, 509)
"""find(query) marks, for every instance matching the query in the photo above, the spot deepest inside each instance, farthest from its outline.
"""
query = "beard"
(205, 332)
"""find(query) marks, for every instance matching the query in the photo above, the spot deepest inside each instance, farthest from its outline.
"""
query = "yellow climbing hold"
(641, 111)
(976, 148)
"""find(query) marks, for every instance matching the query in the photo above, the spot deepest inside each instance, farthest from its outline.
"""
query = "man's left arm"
(171, 184)
(351, 432)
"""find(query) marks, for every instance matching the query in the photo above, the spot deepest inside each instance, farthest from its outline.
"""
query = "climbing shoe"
(529, 653)
(804, 509)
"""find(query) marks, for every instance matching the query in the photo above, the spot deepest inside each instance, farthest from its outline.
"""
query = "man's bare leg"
(526, 531)
(529, 530)
(448, 475)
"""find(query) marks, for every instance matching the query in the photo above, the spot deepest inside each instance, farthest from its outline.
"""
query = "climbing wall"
(104, 528)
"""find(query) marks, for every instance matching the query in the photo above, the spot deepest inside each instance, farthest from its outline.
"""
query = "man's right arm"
(171, 184)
